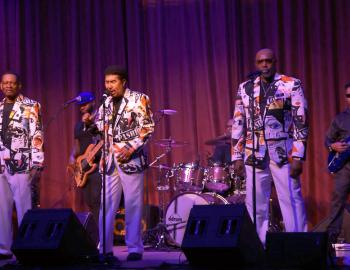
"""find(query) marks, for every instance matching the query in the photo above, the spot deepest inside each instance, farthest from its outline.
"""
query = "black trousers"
(92, 194)
(338, 202)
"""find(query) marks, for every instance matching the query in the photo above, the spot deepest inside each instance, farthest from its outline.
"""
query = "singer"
(21, 155)
(127, 112)
(278, 107)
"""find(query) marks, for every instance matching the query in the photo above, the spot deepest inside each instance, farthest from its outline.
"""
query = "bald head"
(265, 61)
(265, 52)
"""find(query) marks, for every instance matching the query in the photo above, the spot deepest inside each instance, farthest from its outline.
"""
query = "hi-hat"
(220, 140)
(167, 111)
(170, 143)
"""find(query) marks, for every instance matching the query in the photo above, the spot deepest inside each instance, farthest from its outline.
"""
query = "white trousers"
(13, 189)
(132, 186)
(289, 197)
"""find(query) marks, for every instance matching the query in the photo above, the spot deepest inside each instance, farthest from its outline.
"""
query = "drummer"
(222, 153)
(222, 150)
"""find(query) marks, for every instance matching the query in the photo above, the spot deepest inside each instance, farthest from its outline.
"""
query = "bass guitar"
(337, 160)
(85, 165)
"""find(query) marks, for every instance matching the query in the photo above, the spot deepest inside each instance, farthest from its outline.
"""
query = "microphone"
(105, 96)
(76, 99)
(253, 75)
(83, 97)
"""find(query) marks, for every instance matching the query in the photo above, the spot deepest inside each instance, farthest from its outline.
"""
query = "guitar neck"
(96, 148)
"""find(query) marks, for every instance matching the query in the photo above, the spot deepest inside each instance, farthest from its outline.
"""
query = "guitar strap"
(116, 106)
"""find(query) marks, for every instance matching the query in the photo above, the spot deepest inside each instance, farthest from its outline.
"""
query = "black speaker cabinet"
(221, 235)
(297, 250)
(52, 236)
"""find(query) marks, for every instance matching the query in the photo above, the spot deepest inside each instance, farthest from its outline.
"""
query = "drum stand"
(159, 236)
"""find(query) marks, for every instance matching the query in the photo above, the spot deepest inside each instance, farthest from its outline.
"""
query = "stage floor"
(171, 259)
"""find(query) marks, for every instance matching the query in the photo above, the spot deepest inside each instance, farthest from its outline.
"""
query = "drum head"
(178, 211)
(217, 179)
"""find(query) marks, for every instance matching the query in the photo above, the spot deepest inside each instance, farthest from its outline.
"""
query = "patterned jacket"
(132, 128)
(25, 134)
(281, 128)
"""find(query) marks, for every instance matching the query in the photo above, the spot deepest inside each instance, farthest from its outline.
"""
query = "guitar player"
(91, 191)
(338, 133)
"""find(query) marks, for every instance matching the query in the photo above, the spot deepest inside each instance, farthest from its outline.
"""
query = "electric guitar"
(336, 160)
(85, 165)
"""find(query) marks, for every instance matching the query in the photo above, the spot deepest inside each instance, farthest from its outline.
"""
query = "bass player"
(337, 135)
(83, 142)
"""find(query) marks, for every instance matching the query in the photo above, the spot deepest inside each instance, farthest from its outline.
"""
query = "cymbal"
(220, 140)
(160, 166)
(170, 143)
(167, 111)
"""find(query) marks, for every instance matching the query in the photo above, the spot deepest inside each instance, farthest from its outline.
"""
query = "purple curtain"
(188, 56)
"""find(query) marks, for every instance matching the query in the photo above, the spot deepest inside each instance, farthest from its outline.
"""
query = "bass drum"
(178, 211)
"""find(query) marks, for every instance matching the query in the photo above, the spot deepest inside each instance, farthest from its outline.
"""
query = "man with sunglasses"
(337, 141)
(276, 106)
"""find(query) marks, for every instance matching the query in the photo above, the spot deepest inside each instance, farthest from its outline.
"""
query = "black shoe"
(133, 256)
(109, 259)
(5, 256)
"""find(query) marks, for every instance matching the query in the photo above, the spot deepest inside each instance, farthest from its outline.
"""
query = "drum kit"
(191, 184)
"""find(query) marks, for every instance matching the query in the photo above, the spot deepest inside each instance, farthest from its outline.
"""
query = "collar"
(19, 98)
(275, 78)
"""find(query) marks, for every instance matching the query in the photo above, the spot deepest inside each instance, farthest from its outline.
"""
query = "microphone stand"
(104, 166)
(253, 152)
(57, 113)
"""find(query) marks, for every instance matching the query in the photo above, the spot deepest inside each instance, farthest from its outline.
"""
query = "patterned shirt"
(280, 128)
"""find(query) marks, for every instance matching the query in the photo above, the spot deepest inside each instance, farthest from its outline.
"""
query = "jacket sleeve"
(146, 123)
(36, 136)
(332, 134)
(300, 121)
(238, 128)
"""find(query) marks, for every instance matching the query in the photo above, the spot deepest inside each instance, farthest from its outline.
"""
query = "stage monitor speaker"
(221, 235)
(52, 236)
(345, 232)
(301, 250)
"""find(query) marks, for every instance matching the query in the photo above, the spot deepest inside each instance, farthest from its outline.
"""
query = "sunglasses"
(347, 95)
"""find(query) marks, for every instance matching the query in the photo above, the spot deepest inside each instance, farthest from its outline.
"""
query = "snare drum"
(178, 211)
(189, 177)
(217, 178)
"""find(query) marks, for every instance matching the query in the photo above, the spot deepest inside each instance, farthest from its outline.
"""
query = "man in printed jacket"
(21, 155)
(274, 105)
(129, 125)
